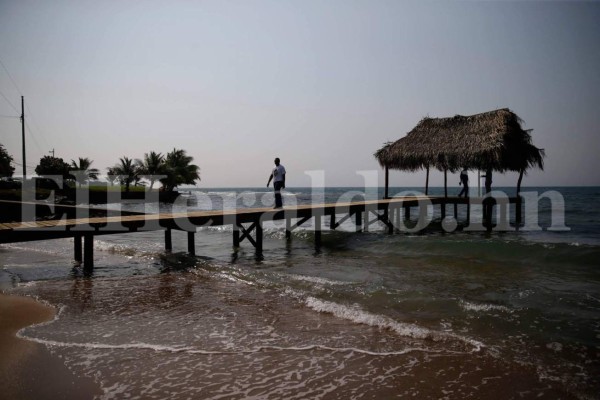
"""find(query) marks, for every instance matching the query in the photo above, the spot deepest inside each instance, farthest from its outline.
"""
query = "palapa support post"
(468, 211)
(456, 211)
(78, 256)
(389, 215)
(427, 182)
(445, 182)
(518, 205)
(387, 182)
(488, 209)
(168, 241)
(191, 243)
(443, 209)
(488, 180)
(88, 251)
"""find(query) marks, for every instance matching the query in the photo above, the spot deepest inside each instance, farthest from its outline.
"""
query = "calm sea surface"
(367, 315)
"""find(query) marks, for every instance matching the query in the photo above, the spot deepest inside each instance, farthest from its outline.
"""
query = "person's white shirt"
(278, 173)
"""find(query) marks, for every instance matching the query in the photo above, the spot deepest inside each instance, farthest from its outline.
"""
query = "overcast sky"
(320, 84)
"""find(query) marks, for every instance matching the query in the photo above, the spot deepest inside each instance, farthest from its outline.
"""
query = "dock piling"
(317, 228)
(288, 228)
(236, 235)
(78, 256)
(358, 221)
(259, 236)
(168, 241)
(88, 254)
(191, 243)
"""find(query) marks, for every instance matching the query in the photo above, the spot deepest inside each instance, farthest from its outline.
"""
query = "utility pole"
(52, 152)
(23, 131)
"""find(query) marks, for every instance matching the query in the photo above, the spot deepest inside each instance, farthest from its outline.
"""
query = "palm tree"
(6, 160)
(111, 176)
(179, 170)
(127, 171)
(82, 171)
(152, 165)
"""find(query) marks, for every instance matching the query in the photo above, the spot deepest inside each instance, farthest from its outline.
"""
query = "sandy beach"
(28, 370)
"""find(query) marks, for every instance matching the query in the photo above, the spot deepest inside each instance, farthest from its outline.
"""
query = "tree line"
(172, 169)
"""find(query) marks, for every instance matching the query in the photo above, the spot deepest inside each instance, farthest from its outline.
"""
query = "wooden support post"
(456, 211)
(488, 180)
(236, 235)
(77, 247)
(484, 213)
(443, 209)
(488, 209)
(518, 205)
(490, 212)
(427, 182)
(259, 237)
(88, 251)
(317, 230)
(191, 243)
(358, 221)
(468, 211)
(445, 183)
(168, 240)
(390, 217)
(387, 183)
(288, 228)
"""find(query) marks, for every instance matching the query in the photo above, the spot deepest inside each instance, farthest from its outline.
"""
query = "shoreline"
(28, 370)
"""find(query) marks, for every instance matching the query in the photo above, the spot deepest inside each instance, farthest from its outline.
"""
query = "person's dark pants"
(465, 190)
(277, 187)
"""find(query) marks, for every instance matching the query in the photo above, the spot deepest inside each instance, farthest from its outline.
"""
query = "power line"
(9, 116)
(35, 124)
(30, 114)
(27, 166)
(8, 101)
(33, 137)
(11, 78)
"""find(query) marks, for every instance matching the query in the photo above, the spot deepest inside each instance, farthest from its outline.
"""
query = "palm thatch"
(492, 140)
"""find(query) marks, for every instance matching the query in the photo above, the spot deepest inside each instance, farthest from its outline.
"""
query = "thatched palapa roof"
(491, 140)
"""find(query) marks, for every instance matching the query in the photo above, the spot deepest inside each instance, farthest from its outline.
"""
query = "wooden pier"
(247, 223)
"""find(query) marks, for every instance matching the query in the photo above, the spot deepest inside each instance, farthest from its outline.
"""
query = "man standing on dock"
(278, 177)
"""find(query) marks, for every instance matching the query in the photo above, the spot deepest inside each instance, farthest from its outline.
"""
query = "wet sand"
(28, 370)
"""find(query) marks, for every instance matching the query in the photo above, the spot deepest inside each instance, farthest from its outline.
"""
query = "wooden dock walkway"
(247, 223)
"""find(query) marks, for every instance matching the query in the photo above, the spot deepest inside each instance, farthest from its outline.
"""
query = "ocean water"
(367, 315)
